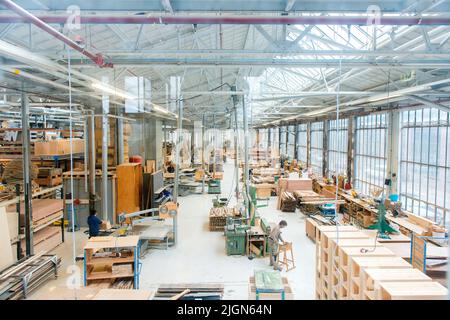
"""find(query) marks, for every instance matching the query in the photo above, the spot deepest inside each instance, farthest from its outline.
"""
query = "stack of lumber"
(44, 212)
(49, 177)
(13, 172)
(58, 147)
(352, 266)
(218, 217)
(262, 179)
(112, 141)
(309, 201)
(291, 185)
(412, 223)
(288, 202)
(195, 291)
(27, 275)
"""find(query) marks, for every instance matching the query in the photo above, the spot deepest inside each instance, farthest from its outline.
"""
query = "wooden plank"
(123, 294)
(129, 187)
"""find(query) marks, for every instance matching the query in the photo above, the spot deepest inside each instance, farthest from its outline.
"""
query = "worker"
(94, 224)
(274, 240)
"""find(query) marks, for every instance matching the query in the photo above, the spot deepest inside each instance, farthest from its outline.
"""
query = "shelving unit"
(111, 259)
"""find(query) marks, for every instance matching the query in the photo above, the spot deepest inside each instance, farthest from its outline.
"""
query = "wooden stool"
(283, 258)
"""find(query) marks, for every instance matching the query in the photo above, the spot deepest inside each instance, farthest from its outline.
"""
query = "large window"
(337, 146)
(283, 140)
(317, 147)
(425, 163)
(370, 152)
(302, 142)
(291, 142)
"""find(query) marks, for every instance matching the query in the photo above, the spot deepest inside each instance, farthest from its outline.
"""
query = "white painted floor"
(200, 256)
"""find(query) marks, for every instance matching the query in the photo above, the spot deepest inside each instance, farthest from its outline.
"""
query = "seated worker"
(274, 239)
(94, 224)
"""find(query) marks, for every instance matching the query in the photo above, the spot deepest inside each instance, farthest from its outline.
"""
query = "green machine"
(214, 186)
(235, 233)
(381, 225)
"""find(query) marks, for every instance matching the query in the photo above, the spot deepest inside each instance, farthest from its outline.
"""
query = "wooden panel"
(129, 186)
(5, 244)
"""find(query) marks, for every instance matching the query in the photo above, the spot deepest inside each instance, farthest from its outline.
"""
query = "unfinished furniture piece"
(414, 290)
(359, 264)
(112, 259)
(129, 186)
(374, 276)
(286, 256)
(256, 242)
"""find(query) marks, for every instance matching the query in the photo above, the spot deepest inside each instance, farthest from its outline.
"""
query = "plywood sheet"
(6, 256)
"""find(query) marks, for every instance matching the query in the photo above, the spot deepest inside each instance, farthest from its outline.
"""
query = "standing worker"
(94, 224)
(274, 240)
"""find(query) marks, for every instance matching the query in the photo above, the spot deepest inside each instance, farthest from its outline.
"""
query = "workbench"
(256, 237)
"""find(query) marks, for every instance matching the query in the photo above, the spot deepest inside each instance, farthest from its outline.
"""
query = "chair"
(286, 256)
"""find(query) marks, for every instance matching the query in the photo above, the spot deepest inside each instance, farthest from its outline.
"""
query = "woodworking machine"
(166, 211)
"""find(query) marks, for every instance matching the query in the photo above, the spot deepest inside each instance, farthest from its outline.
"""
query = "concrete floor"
(200, 256)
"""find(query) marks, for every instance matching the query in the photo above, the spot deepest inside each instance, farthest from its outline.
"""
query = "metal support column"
(392, 147)
(91, 161)
(326, 125)
(236, 153)
(295, 141)
(29, 250)
(177, 153)
(203, 152)
(120, 146)
(308, 144)
(246, 157)
(105, 124)
(350, 149)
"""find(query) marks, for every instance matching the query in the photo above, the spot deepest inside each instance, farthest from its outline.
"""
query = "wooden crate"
(358, 264)
(413, 291)
(374, 276)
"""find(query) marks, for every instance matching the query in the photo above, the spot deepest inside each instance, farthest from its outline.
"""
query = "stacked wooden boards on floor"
(197, 291)
(218, 217)
(291, 185)
(346, 260)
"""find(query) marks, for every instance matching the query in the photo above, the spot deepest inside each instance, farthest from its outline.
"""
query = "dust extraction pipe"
(244, 20)
(28, 17)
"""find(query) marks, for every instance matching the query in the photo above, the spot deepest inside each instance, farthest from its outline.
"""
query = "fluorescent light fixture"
(111, 90)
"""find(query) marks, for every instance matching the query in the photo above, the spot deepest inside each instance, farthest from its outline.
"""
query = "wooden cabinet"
(129, 187)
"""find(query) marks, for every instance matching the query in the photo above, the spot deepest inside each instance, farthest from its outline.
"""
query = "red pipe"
(244, 20)
(28, 17)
